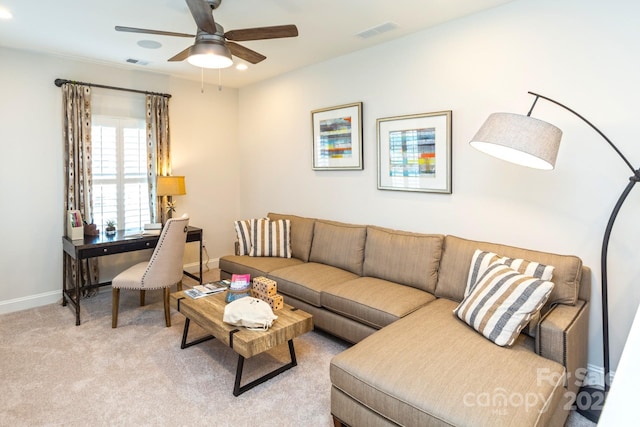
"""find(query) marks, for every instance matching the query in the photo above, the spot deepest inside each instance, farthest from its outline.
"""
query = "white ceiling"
(84, 29)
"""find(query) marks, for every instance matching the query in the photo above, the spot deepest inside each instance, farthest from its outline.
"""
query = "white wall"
(582, 53)
(204, 140)
(203, 132)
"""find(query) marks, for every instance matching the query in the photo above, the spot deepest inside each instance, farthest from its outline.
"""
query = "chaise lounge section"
(393, 294)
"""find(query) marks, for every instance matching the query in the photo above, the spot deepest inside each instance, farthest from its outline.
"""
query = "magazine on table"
(200, 291)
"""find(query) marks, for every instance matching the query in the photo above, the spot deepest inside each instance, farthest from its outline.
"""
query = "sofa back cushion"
(338, 244)
(301, 234)
(456, 259)
(410, 259)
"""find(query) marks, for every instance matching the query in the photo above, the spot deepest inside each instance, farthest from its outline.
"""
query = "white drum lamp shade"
(519, 139)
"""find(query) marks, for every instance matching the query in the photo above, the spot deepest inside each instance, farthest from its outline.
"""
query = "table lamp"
(531, 142)
(170, 186)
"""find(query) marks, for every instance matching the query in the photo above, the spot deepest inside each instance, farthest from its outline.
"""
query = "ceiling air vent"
(137, 61)
(379, 29)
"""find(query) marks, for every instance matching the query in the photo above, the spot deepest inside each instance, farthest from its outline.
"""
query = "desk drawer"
(117, 249)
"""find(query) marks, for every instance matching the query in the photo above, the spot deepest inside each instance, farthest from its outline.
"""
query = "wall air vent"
(379, 29)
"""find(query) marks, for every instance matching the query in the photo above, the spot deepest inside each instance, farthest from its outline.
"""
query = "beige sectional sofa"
(414, 362)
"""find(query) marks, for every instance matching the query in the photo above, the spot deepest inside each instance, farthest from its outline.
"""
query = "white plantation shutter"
(120, 189)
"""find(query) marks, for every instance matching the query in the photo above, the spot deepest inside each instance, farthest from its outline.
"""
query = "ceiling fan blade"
(201, 12)
(156, 32)
(245, 53)
(262, 33)
(181, 56)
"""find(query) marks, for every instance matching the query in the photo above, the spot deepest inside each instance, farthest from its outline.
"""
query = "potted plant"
(110, 229)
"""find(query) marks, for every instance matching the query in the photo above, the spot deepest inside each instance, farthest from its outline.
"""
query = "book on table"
(153, 229)
(200, 291)
(240, 281)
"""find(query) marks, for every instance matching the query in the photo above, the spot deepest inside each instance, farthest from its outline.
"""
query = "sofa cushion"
(481, 260)
(255, 266)
(305, 281)
(243, 233)
(374, 302)
(502, 302)
(338, 244)
(457, 252)
(270, 238)
(430, 368)
(398, 256)
(301, 234)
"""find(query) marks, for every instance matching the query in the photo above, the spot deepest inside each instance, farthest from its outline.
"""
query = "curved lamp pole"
(532, 142)
(605, 242)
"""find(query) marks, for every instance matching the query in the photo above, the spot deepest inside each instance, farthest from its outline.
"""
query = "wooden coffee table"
(208, 311)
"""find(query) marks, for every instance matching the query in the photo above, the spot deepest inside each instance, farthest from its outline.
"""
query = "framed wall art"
(337, 137)
(414, 152)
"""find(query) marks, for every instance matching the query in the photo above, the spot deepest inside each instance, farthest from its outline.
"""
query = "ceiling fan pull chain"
(219, 80)
(201, 80)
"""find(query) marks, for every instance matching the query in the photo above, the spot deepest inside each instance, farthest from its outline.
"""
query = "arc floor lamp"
(527, 141)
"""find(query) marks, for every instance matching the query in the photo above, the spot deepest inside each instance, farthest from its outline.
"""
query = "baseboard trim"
(595, 376)
(194, 267)
(31, 301)
(37, 300)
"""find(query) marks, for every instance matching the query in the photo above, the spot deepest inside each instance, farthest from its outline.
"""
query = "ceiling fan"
(213, 47)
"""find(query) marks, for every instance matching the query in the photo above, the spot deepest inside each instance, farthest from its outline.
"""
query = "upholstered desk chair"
(162, 271)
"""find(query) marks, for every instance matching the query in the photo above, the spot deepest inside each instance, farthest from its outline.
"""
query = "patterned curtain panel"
(77, 164)
(158, 153)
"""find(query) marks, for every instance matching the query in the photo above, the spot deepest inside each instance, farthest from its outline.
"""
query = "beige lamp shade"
(519, 139)
(171, 186)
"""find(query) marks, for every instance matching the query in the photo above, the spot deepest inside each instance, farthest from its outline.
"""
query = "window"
(120, 188)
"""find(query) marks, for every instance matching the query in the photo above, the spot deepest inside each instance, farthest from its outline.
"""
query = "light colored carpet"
(54, 373)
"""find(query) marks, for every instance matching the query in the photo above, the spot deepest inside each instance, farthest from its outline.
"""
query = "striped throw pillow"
(502, 303)
(243, 231)
(271, 238)
(481, 260)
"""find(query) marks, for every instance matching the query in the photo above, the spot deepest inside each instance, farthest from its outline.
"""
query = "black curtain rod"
(60, 82)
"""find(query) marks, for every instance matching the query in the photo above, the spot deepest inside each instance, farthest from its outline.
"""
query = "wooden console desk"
(97, 246)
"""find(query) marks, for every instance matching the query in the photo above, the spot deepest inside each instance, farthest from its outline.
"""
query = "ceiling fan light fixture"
(211, 48)
(210, 55)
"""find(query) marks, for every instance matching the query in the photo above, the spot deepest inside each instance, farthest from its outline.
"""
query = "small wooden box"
(265, 286)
